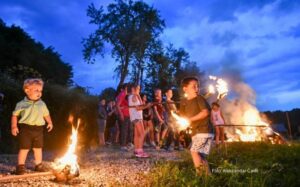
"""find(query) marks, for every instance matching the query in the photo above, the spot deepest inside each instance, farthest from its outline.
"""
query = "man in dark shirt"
(196, 110)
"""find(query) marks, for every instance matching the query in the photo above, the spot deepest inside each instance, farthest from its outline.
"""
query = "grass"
(239, 164)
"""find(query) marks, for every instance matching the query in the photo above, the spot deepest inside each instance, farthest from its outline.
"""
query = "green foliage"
(109, 94)
(23, 57)
(239, 164)
(129, 27)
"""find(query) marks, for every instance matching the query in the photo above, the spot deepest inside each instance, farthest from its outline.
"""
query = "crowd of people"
(129, 121)
(133, 122)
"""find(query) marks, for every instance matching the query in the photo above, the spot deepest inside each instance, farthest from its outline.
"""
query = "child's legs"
(22, 156)
(165, 131)
(139, 134)
(38, 155)
(196, 159)
(151, 130)
(222, 134)
(217, 134)
(146, 128)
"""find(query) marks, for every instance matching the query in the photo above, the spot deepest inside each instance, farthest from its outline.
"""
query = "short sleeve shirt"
(123, 103)
(31, 112)
(134, 113)
(190, 108)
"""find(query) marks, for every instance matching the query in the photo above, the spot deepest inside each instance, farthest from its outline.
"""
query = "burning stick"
(28, 175)
(221, 86)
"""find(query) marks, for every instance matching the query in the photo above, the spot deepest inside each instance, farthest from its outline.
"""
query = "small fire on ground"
(66, 167)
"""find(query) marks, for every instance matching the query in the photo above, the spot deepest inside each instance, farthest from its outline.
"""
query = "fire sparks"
(221, 86)
(182, 122)
(69, 160)
(211, 89)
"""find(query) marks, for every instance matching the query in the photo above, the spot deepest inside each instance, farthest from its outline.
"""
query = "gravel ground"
(106, 166)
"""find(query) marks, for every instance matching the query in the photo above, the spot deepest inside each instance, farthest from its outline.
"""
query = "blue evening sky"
(257, 39)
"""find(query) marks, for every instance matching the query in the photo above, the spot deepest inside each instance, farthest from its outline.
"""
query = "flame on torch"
(221, 86)
(211, 89)
(182, 122)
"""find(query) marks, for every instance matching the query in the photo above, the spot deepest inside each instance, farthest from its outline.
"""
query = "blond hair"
(30, 82)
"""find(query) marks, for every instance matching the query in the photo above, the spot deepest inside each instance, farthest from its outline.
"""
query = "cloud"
(255, 41)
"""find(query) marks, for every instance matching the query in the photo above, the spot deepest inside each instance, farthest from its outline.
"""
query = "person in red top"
(123, 117)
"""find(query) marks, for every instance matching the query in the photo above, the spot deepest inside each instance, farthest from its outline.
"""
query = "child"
(148, 124)
(172, 134)
(102, 116)
(32, 113)
(159, 123)
(136, 117)
(123, 118)
(217, 119)
(195, 108)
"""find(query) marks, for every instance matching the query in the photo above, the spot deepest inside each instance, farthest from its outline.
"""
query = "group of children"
(136, 119)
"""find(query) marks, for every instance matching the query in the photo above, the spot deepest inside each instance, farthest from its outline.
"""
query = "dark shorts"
(30, 136)
(101, 125)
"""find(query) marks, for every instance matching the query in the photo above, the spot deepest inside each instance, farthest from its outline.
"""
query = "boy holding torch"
(197, 111)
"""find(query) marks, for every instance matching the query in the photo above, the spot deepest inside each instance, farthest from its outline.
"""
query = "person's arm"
(201, 115)
(222, 116)
(49, 123)
(158, 116)
(14, 126)
(102, 112)
(148, 105)
(118, 104)
(212, 119)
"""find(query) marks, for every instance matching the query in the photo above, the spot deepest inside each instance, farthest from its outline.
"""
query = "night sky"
(257, 39)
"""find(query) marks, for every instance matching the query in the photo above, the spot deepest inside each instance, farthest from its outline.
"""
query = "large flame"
(182, 122)
(69, 158)
(248, 133)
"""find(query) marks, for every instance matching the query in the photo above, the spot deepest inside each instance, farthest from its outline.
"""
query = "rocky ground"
(107, 166)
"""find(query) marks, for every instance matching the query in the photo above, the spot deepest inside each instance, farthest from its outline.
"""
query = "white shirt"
(134, 100)
(217, 118)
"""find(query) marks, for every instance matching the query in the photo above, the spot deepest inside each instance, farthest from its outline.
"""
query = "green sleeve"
(17, 110)
(45, 110)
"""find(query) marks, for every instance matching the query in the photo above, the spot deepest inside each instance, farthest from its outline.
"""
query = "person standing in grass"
(196, 110)
(217, 119)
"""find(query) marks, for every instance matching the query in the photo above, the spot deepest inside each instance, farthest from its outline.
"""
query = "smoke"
(242, 97)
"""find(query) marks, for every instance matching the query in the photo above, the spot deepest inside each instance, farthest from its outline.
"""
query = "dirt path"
(103, 167)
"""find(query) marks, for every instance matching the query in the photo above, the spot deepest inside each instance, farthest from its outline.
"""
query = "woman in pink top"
(217, 119)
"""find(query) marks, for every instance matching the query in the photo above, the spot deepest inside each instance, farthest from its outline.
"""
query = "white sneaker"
(152, 144)
(146, 144)
(130, 146)
(124, 148)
